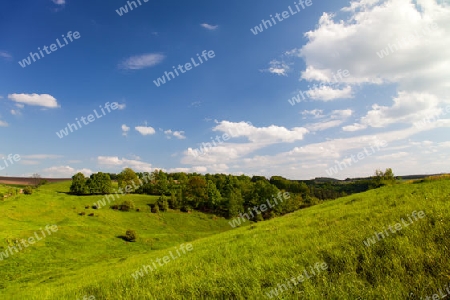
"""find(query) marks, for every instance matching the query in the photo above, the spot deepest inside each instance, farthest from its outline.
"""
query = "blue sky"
(393, 57)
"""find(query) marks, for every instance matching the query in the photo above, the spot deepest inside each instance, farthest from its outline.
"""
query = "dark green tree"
(79, 186)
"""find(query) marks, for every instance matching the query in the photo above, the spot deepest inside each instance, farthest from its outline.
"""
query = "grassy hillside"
(244, 263)
(83, 241)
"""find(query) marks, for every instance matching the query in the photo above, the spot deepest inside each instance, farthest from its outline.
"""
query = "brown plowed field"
(28, 180)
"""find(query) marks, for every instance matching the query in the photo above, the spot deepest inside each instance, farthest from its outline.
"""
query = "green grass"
(84, 257)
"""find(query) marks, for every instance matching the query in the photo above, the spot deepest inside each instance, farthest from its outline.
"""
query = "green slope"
(248, 262)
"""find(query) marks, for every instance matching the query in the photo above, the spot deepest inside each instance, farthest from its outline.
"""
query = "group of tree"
(98, 183)
(222, 194)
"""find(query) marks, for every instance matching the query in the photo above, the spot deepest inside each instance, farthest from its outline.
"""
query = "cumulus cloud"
(278, 68)
(59, 2)
(357, 40)
(334, 119)
(115, 161)
(63, 172)
(142, 61)
(178, 134)
(327, 93)
(407, 108)
(316, 113)
(270, 134)
(3, 124)
(145, 130)
(44, 100)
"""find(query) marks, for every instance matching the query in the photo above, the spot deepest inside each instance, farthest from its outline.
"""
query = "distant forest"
(225, 195)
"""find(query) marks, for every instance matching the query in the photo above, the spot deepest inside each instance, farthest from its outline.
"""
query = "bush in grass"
(186, 208)
(155, 208)
(163, 204)
(130, 235)
(28, 190)
(82, 213)
(114, 206)
(127, 205)
(91, 215)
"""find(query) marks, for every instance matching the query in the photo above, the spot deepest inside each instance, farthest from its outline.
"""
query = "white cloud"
(324, 125)
(354, 127)
(114, 161)
(142, 61)
(209, 27)
(407, 108)
(357, 40)
(335, 119)
(3, 124)
(44, 100)
(59, 2)
(393, 155)
(63, 172)
(15, 112)
(316, 113)
(178, 134)
(271, 134)
(125, 129)
(122, 106)
(278, 68)
(144, 130)
(327, 93)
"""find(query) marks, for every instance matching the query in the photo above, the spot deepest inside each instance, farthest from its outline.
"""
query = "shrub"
(82, 213)
(186, 208)
(155, 208)
(130, 235)
(28, 190)
(94, 207)
(127, 205)
(115, 206)
(91, 215)
(87, 207)
(163, 204)
(138, 210)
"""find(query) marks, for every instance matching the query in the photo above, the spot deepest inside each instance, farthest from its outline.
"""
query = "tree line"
(222, 194)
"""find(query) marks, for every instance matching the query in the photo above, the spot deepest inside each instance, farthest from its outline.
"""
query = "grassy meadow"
(85, 256)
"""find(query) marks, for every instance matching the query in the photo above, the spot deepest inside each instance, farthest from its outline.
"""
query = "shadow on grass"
(124, 238)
